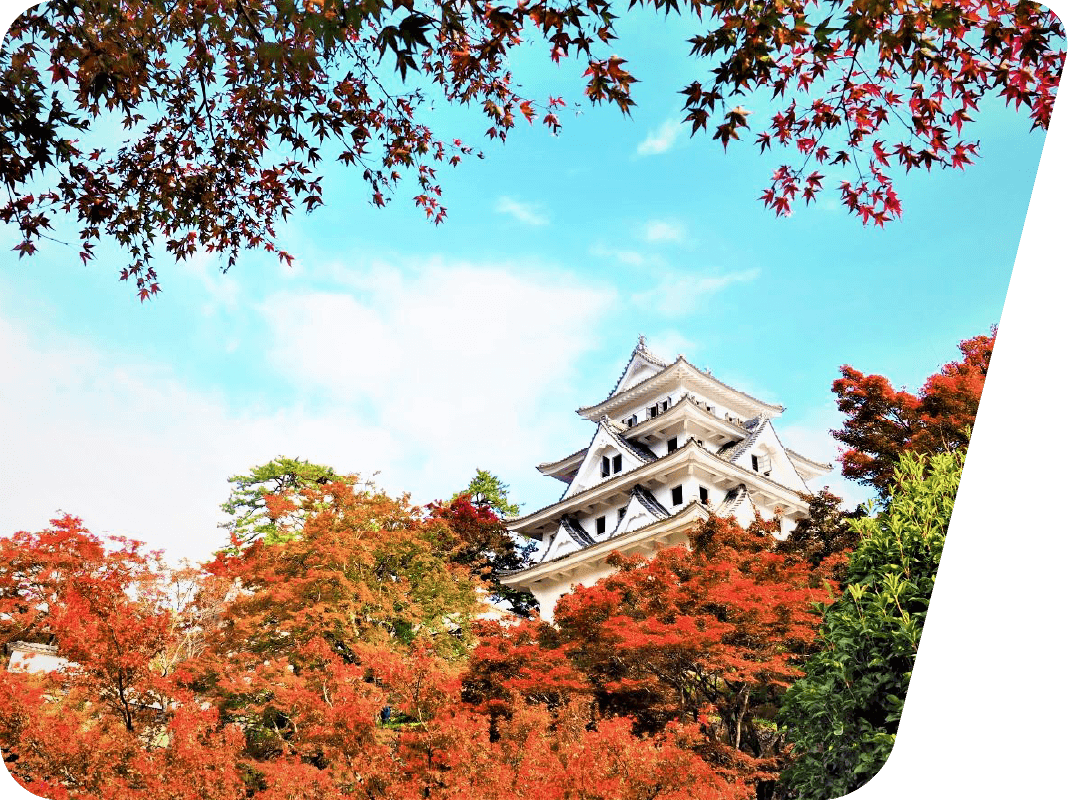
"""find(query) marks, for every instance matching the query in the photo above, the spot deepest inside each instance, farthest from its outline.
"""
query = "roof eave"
(596, 411)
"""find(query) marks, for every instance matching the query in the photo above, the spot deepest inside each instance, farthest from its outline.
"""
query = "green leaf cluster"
(842, 717)
(487, 489)
(247, 504)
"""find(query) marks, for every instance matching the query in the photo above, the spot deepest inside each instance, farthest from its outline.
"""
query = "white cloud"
(669, 344)
(527, 213)
(456, 359)
(220, 289)
(662, 139)
(681, 294)
(423, 375)
(663, 231)
(631, 258)
(128, 447)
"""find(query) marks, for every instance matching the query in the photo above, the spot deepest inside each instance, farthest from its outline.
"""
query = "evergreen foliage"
(249, 505)
(842, 717)
(487, 489)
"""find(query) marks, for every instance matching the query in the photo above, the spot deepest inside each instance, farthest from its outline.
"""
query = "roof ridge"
(658, 458)
(678, 513)
(639, 349)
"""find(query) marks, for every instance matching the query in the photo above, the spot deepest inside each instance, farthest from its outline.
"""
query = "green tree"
(258, 503)
(842, 716)
(486, 489)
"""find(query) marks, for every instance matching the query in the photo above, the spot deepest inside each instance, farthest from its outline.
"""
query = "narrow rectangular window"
(622, 512)
(606, 466)
(652, 411)
(756, 464)
(673, 444)
(617, 464)
(676, 496)
(703, 492)
(663, 405)
(600, 525)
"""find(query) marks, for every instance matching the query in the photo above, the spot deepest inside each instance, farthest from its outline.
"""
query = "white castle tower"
(673, 446)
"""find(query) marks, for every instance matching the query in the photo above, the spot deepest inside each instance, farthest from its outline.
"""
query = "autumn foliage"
(230, 109)
(337, 647)
(883, 422)
(702, 639)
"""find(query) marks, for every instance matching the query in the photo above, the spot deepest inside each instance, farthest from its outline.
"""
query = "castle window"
(617, 464)
(600, 525)
(676, 496)
(673, 444)
(622, 512)
(606, 466)
(762, 464)
(652, 411)
(703, 492)
(632, 420)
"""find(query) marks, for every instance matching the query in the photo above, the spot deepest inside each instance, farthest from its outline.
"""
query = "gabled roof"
(639, 451)
(787, 493)
(646, 498)
(569, 532)
(639, 353)
(684, 366)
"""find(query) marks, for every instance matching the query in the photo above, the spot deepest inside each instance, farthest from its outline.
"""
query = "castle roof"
(691, 449)
(680, 369)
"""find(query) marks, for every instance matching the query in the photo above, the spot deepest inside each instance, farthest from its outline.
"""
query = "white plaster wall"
(549, 591)
(31, 661)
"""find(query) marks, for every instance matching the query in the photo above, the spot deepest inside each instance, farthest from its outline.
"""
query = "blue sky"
(423, 352)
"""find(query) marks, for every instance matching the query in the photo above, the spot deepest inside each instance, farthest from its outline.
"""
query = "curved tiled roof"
(549, 464)
(689, 442)
(806, 459)
(646, 498)
(678, 513)
(576, 531)
(705, 373)
(734, 498)
(639, 349)
(639, 450)
(755, 427)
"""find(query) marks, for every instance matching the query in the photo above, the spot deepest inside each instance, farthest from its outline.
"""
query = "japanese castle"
(673, 446)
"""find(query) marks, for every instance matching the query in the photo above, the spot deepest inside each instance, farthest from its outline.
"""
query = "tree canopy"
(257, 503)
(229, 107)
(842, 716)
(882, 423)
(486, 489)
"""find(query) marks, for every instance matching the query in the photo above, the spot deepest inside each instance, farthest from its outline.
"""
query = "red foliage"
(708, 636)
(882, 422)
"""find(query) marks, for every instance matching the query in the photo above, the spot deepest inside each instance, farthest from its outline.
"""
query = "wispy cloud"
(527, 213)
(682, 293)
(632, 258)
(662, 139)
(423, 370)
(658, 230)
